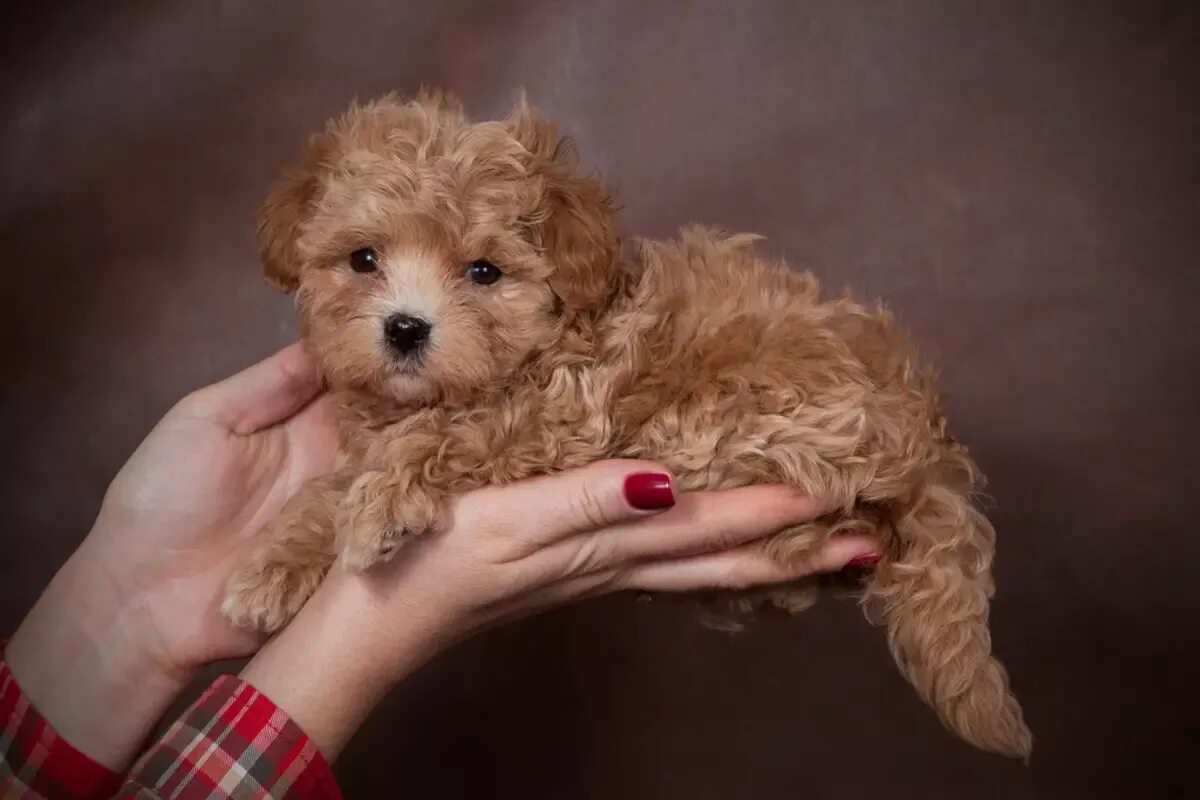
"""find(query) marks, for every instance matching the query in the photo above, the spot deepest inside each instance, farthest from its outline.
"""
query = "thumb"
(261, 395)
(556, 507)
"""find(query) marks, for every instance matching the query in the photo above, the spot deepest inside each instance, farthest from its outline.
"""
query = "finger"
(740, 568)
(260, 396)
(743, 567)
(555, 507)
(700, 522)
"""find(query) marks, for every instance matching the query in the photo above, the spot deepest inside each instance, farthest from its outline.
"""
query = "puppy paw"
(378, 516)
(369, 541)
(264, 596)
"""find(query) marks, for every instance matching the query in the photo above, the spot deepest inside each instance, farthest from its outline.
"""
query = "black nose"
(405, 333)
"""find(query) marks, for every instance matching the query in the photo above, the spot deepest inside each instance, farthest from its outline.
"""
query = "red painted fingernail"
(649, 491)
(865, 560)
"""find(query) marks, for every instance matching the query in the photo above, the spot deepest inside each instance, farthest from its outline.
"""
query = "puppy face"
(432, 256)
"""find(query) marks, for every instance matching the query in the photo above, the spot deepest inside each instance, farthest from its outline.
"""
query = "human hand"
(513, 551)
(136, 608)
(186, 508)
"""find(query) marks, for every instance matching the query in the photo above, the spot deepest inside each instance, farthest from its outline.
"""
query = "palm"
(185, 510)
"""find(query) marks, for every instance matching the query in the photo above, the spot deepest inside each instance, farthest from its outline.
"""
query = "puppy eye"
(483, 272)
(364, 260)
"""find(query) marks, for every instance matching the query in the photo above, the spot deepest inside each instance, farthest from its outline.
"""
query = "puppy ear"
(574, 222)
(285, 210)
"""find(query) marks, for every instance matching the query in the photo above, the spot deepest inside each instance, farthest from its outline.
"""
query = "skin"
(134, 612)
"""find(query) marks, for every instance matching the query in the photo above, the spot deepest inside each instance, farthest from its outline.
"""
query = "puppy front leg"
(421, 471)
(290, 560)
(382, 510)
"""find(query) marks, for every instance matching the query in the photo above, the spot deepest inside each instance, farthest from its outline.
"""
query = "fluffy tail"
(934, 598)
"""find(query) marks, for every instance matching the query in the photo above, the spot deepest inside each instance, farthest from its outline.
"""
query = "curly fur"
(695, 353)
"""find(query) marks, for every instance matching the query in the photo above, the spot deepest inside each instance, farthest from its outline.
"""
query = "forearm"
(81, 657)
(331, 666)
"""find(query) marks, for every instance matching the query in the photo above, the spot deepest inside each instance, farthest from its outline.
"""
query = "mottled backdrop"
(1020, 180)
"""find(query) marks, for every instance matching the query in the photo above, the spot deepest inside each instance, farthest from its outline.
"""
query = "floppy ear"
(285, 210)
(574, 222)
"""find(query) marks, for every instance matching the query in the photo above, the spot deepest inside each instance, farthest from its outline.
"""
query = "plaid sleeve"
(35, 762)
(234, 743)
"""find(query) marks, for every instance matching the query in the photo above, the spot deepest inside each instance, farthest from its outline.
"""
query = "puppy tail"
(934, 598)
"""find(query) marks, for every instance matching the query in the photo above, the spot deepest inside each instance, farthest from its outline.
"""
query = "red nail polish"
(865, 560)
(649, 491)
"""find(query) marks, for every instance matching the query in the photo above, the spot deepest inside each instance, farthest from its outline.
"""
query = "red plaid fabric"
(35, 762)
(235, 743)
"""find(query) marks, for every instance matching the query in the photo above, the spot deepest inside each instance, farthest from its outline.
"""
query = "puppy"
(464, 290)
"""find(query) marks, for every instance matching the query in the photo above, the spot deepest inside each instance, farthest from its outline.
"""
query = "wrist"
(87, 664)
(340, 656)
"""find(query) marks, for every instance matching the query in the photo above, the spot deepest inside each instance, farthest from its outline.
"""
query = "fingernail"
(649, 490)
(865, 560)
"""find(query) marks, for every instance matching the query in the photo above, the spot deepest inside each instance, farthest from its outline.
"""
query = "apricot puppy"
(463, 286)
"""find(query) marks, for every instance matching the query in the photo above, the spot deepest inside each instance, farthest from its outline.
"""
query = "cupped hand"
(184, 510)
(615, 525)
(515, 550)
(134, 611)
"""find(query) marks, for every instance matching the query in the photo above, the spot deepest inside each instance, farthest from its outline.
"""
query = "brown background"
(1021, 180)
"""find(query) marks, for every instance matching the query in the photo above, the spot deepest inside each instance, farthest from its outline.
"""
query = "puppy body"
(694, 353)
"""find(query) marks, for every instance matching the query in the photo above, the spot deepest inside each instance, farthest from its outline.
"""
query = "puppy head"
(430, 255)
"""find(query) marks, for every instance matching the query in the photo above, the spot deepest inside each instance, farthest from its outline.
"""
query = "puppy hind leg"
(793, 546)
